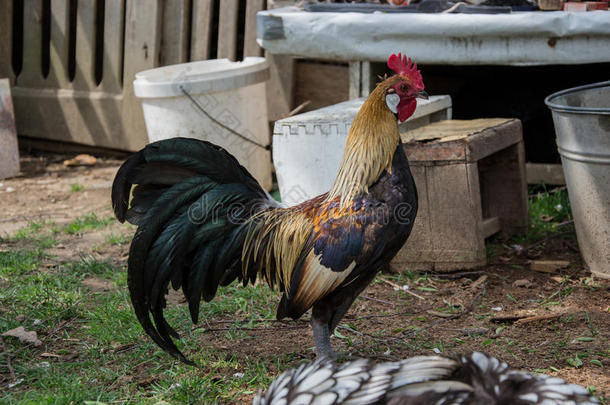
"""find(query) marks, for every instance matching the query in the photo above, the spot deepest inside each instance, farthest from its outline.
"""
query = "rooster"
(475, 379)
(204, 221)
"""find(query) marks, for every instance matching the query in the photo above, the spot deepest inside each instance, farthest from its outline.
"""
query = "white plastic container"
(308, 148)
(233, 93)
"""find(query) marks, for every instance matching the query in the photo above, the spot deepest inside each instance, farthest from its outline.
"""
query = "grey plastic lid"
(200, 77)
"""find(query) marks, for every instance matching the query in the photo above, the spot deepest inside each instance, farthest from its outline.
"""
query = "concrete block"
(9, 150)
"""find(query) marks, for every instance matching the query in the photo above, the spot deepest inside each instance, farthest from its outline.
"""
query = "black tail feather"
(190, 200)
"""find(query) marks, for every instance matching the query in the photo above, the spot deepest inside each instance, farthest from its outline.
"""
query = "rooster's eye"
(403, 87)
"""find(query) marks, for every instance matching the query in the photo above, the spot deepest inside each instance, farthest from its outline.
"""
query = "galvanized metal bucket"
(582, 124)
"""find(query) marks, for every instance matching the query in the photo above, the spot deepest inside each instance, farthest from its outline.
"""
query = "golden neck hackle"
(371, 142)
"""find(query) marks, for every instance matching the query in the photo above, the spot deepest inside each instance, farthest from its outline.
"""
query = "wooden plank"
(504, 190)
(6, 43)
(84, 77)
(355, 79)
(323, 84)
(31, 73)
(493, 139)
(280, 87)
(417, 247)
(174, 42)
(490, 226)
(114, 16)
(227, 29)
(455, 207)
(200, 31)
(365, 84)
(142, 47)
(546, 173)
(251, 47)
(9, 150)
(84, 120)
(58, 69)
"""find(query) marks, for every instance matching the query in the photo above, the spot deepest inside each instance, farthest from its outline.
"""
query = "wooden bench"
(470, 177)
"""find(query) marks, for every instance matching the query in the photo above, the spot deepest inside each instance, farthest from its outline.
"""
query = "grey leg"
(339, 314)
(321, 338)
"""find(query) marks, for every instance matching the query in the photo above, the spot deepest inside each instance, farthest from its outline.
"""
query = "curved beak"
(422, 94)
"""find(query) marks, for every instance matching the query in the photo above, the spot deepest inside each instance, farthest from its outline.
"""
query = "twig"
(456, 275)
(297, 109)
(355, 332)
(364, 297)
(537, 318)
(388, 315)
(400, 288)
(261, 320)
(8, 360)
(248, 328)
(452, 317)
(439, 314)
(541, 241)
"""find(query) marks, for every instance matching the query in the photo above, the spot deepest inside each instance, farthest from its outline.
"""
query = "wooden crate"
(470, 177)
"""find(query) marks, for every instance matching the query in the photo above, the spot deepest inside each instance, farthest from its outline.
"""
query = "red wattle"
(406, 108)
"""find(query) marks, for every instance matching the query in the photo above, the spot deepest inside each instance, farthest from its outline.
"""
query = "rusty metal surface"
(9, 151)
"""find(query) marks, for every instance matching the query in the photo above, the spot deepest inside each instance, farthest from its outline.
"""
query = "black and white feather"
(467, 380)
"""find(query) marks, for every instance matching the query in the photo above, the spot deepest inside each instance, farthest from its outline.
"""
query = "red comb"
(405, 67)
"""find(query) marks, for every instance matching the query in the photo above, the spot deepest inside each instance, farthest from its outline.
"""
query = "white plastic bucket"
(232, 93)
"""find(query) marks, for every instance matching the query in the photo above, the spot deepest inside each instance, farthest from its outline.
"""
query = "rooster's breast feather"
(344, 242)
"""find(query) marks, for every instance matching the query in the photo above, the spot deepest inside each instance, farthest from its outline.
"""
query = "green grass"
(39, 233)
(87, 222)
(97, 348)
(549, 215)
(118, 240)
(548, 209)
(76, 187)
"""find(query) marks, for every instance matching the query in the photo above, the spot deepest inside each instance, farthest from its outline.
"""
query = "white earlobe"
(392, 101)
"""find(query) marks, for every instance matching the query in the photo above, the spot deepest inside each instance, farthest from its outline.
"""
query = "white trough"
(307, 148)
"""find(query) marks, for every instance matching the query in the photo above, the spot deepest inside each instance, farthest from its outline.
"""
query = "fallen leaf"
(52, 355)
(81, 160)
(16, 383)
(23, 335)
(523, 283)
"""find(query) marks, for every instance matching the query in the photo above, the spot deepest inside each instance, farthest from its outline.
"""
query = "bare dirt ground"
(557, 322)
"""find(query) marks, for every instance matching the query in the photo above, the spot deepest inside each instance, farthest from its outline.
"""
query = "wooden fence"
(72, 62)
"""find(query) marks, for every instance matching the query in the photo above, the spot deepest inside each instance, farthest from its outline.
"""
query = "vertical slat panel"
(113, 45)
(31, 74)
(60, 23)
(227, 29)
(84, 79)
(142, 43)
(6, 39)
(200, 31)
(174, 43)
(142, 37)
(251, 48)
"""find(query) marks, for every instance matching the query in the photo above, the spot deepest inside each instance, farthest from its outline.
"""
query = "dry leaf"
(523, 283)
(53, 355)
(23, 335)
(81, 160)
